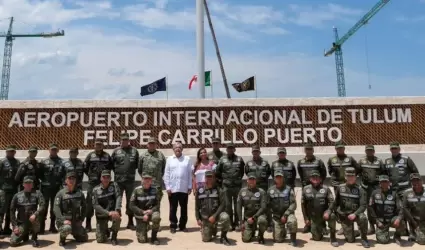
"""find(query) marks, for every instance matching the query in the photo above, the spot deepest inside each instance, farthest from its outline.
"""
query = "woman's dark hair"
(198, 158)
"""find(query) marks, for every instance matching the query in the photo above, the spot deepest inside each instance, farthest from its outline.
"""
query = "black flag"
(247, 85)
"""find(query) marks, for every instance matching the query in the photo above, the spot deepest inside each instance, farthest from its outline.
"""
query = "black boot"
(130, 224)
(6, 230)
(334, 242)
(154, 238)
(52, 228)
(371, 229)
(62, 241)
(306, 229)
(35, 241)
(42, 226)
(261, 238)
(397, 239)
(365, 241)
(88, 224)
(224, 240)
(293, 240)
(114, 239)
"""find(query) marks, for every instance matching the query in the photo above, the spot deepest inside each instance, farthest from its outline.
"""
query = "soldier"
(144, 203)
(29, 167)
(216, 154)
(51, 174)
(95, 162)
(29, 203)
(286, 166)
(253, 201)
(8, 169)
(210, 203)
(351, 203)
(2, 207)
(229, 172)
(107, 205)
(385, 208)
(153, 162)
(281, 199)
(414, 208)
(317, 203)
(370, 168)
(70, 209)
(126, 160)
(74, 164)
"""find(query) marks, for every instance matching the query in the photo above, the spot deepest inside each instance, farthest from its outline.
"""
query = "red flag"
(194, 79)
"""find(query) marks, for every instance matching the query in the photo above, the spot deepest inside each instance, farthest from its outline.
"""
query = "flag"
(158, 85)
(247, 85)
(207, 79)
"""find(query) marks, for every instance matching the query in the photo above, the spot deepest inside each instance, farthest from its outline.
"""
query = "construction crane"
(7, 57)
(336, 46)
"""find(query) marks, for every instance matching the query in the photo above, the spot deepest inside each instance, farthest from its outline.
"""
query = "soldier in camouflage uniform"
(144, 203)
(317, 203)
(107, 206)
(386, 211)
(52, 174)
(351, 203)
(414, 208)
(399, 167)
(229, 172)
(8, 169)
(210, 203)
(153, 162)
(253, 201)
(29, 204)
(286, 166)
(95, 162)
(126, 160)
(2, 206)
(74, 164)
(216, 154)
(281, 199)
(29, 167)
(370, 168)
(70, 209)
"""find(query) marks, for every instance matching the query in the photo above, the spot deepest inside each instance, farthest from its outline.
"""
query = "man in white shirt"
(178, 183)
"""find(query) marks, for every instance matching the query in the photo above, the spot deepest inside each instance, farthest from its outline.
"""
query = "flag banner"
(247, 85)
(158, 85)
(195, 79)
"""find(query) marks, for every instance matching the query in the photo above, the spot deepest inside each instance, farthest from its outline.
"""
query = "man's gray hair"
(177, 145)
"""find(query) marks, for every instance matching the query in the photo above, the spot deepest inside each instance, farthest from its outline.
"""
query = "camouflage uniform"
(215, 155)
(338, 164)
(315, 202)
(351, 199)
(253, 201)
(287, 167)
(385, 208)
(105, 200)
(140, 201)
(2, 206)
(305, 166)
(414, 210)
(74, 165)
(212, 202)
(26, 204)
(8, 169)
(29, 168)
(282, 204)
(71, 206)
(229, 172)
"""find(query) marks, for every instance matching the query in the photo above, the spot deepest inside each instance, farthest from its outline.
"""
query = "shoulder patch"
(347, 159)
(271, 191)
(334, 160)
(342, 189)
(243, 194)
(308, 190)
(201, 190)
(411, 195)
(390, 197)
(355, 191)
(378, 196)
(110, 188)
(257, 194)
(322, 191)
(401, 161)
(99, 191)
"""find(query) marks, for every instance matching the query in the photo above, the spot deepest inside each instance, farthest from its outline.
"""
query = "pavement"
(192, 239)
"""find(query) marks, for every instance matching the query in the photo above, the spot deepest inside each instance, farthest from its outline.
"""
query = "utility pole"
(200, 46)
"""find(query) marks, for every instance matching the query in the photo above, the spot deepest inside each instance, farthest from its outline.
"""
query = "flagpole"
(211, 84)
(200, 46)
(166, 86)
(255, 86)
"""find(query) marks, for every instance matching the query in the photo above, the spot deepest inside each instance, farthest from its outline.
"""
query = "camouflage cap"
(11, 148)
(73, 150)
(152, 140)
(98, 141)
(308, 146)
(216, 140)
(415, 176)
(71, 174)
(230, 145)
(314, 172)
(350, 172)
(384, 178)
(394, 144)
(255, 148)
(339, 144)
(281, 150)
(146, 176)
(53, 146)
(33, 149)
(369, 147)
(251, 175)
(106, 173)
(209, 173)
(278, 173)
(125, 136)
(28, 179)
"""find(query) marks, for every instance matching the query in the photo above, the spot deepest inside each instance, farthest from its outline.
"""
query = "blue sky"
(111, 48)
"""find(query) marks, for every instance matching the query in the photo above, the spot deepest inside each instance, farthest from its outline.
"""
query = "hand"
(194, 192)
(307, 222)
(211, 220)
(396, 223)
(169, 192)
(283, 219)
(32, 218)
(379, 224)
(145, 218)
(147, 212)
(199, 223)
(326, 216)
(67, 222)
(352, 217)
(189, 191)
(250, 220)
(16, 231)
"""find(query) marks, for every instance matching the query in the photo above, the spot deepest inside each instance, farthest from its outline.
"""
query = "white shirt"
(178, 174)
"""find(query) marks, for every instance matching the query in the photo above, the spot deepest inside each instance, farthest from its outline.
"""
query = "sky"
(112, 48)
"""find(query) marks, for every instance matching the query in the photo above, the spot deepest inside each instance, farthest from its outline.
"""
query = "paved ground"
(192, 240)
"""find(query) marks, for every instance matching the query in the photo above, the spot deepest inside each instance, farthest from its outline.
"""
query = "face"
(278, 180)
(106, 179)
(417, 184)
(282, 156)
(351, 179)
(203, 154)
(151, 146)
(33, 154)
(27, 186)
(256, 153)
(370, 153)
(252, 182)
(178, 150)
(216, 146)
(315, 180)
(54, 152)
(10, 154)
(147, 182)
(125, 143)
(70, 181)
(385, 185)
(73, 154)
(309, 151)
(98, 147)
(340, 151)
(395, 151)
(230, 150)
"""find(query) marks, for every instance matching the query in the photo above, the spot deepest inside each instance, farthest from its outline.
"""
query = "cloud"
(120, 72)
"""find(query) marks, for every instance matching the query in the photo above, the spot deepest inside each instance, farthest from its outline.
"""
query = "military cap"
(98, 141)
(415, 176)
(369, 147)
(53, 146)
(73, 150)
(252, 175)
(28, 179)
(146, 175)
(314, 173)
(278, 173)
(255, 148)
(152, 140)
(308, 146)
(394, 144)
(216, 140)
(384, 178)
(71, 175)
(33, 149)
(339, 144)
(230, 145)
(209, 173)
(125, 136)
(350, 172)
(11, 148)
(106, 173)
(281, 150)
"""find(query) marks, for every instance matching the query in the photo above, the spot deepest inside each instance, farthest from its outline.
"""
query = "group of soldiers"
(391, 192)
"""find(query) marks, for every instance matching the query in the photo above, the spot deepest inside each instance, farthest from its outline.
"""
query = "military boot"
(371, 229)
(62, 241)
(130, 224)
(365, 241)
(42, 226)
(52, 228)
(88, 224)
(7, 230)
(293, 240)
(306, 229)
(114, 240)
(333, 240)
(224, 240)
(154, 238)
(397, 239)
(261, 238)
(35, 240)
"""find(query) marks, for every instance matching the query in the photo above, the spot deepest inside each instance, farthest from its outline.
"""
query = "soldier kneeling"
(253, 201)
(317, 203)
(414, 208)
(107, 205)
(29, 203)
(70, 210)
(209, 206)
(145, 202)
(281, 199)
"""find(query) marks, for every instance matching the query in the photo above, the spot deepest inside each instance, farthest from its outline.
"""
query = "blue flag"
(158, 85)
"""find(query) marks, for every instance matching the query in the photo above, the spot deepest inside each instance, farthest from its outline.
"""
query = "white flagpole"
(255, 86)
(211, 85)
(166, 86)
(200, 46)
